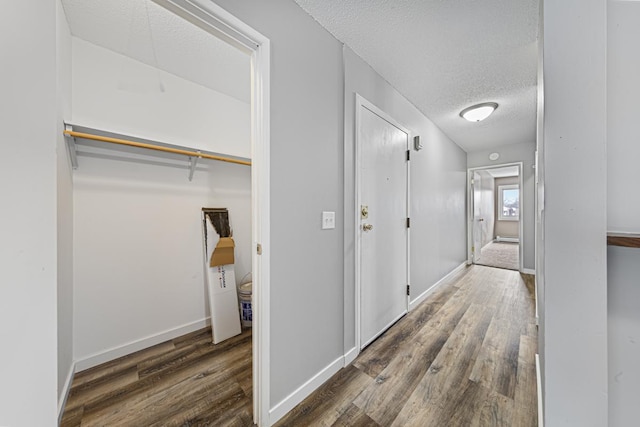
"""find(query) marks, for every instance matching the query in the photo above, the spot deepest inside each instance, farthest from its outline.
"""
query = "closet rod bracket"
(71, 146)
(193, 161)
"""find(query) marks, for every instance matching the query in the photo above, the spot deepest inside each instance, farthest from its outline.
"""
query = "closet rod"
(154, 147)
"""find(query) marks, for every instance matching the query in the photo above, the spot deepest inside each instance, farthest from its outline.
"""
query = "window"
(509, 202)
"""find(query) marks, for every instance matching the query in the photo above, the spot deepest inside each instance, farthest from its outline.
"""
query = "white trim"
(65, 391)
(470, 172)
(290, 402)
(363, 102)
(351, 355)
(216, 20)
(112, 353)
(507, 239)
(539, 388)
(413, 304)
(528, 271)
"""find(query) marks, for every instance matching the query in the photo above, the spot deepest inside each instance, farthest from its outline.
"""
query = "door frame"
(470, 206)
(220, 23)
(361, 102)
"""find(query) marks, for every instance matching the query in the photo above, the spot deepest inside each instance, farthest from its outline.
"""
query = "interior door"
(478, 218)
(383, 223)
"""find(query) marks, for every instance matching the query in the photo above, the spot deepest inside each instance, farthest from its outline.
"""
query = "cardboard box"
(223, 253)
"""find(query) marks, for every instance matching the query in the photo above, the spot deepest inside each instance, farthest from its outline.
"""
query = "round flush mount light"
(478, 112)
(494, 156)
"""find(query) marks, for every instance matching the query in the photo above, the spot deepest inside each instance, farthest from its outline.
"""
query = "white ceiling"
(149, 33)
(447, 55)
(441, 55)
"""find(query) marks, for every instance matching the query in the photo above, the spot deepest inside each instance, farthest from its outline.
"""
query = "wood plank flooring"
(465, 357)
(187, 381)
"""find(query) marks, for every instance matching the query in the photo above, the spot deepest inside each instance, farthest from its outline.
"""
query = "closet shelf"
(627, 240)
(73, 133)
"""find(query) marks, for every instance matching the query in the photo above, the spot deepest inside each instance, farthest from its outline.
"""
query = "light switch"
(328, 220)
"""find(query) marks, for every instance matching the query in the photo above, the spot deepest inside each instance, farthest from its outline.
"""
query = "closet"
(157, 122)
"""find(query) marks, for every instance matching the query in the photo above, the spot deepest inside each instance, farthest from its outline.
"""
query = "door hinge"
(408, 222)
(259, 249)
(408, 290)
(408, 155)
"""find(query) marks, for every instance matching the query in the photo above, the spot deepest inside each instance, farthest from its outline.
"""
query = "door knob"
(367, 227)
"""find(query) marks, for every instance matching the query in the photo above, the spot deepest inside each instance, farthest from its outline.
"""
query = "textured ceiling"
(445, 55)
(149, 33)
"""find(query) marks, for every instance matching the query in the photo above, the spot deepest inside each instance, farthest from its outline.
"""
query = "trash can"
(246, 313)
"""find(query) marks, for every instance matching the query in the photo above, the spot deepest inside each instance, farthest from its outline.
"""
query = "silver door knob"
(367, 227)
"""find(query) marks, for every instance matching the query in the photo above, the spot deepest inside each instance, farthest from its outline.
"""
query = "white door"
(383, 233)
(478, 219)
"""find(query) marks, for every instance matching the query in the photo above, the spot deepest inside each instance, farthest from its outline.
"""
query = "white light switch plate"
(328, 220)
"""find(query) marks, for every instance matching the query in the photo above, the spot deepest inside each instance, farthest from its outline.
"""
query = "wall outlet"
(328, 220)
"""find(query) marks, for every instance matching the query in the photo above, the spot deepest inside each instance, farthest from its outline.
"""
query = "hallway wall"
(623, 210)
(307, 262)
(28, 253)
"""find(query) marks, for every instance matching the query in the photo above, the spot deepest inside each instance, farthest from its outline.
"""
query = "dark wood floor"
(465, 357)
(184, 382)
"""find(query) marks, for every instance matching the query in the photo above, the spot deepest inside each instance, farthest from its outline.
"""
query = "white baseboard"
(539, 384)
(413, 304)
(137, 345)
(350, 356)
(528, 271)
(289, 402)
(507, 239)
(62, 400)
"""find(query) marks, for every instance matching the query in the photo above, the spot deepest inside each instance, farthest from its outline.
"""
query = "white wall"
(306, 179)
(65, 209)
(525, 153)
(575, 208)
(623, 126)
(138, 250)
(623, 214)
(438, 177)
(184, 114)
(624, 336)
(28, 361)
(138, 266)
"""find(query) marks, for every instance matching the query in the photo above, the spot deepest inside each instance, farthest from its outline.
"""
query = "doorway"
(495, 231)
(144, 179)
(382, 233)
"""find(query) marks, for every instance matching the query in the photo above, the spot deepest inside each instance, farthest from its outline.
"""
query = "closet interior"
(157, 117)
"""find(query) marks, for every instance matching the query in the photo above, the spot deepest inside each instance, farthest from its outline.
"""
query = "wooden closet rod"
(627, 240)
(154, 147)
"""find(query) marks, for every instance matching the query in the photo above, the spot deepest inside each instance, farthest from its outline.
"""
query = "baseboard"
(507, 239)
(289, 402)
(426, 293)
(350, 356)
(62, 400)
(539, 387)
(137, 345)
(528, 271)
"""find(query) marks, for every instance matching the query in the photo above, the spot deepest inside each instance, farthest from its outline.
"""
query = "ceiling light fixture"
(478, 112)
